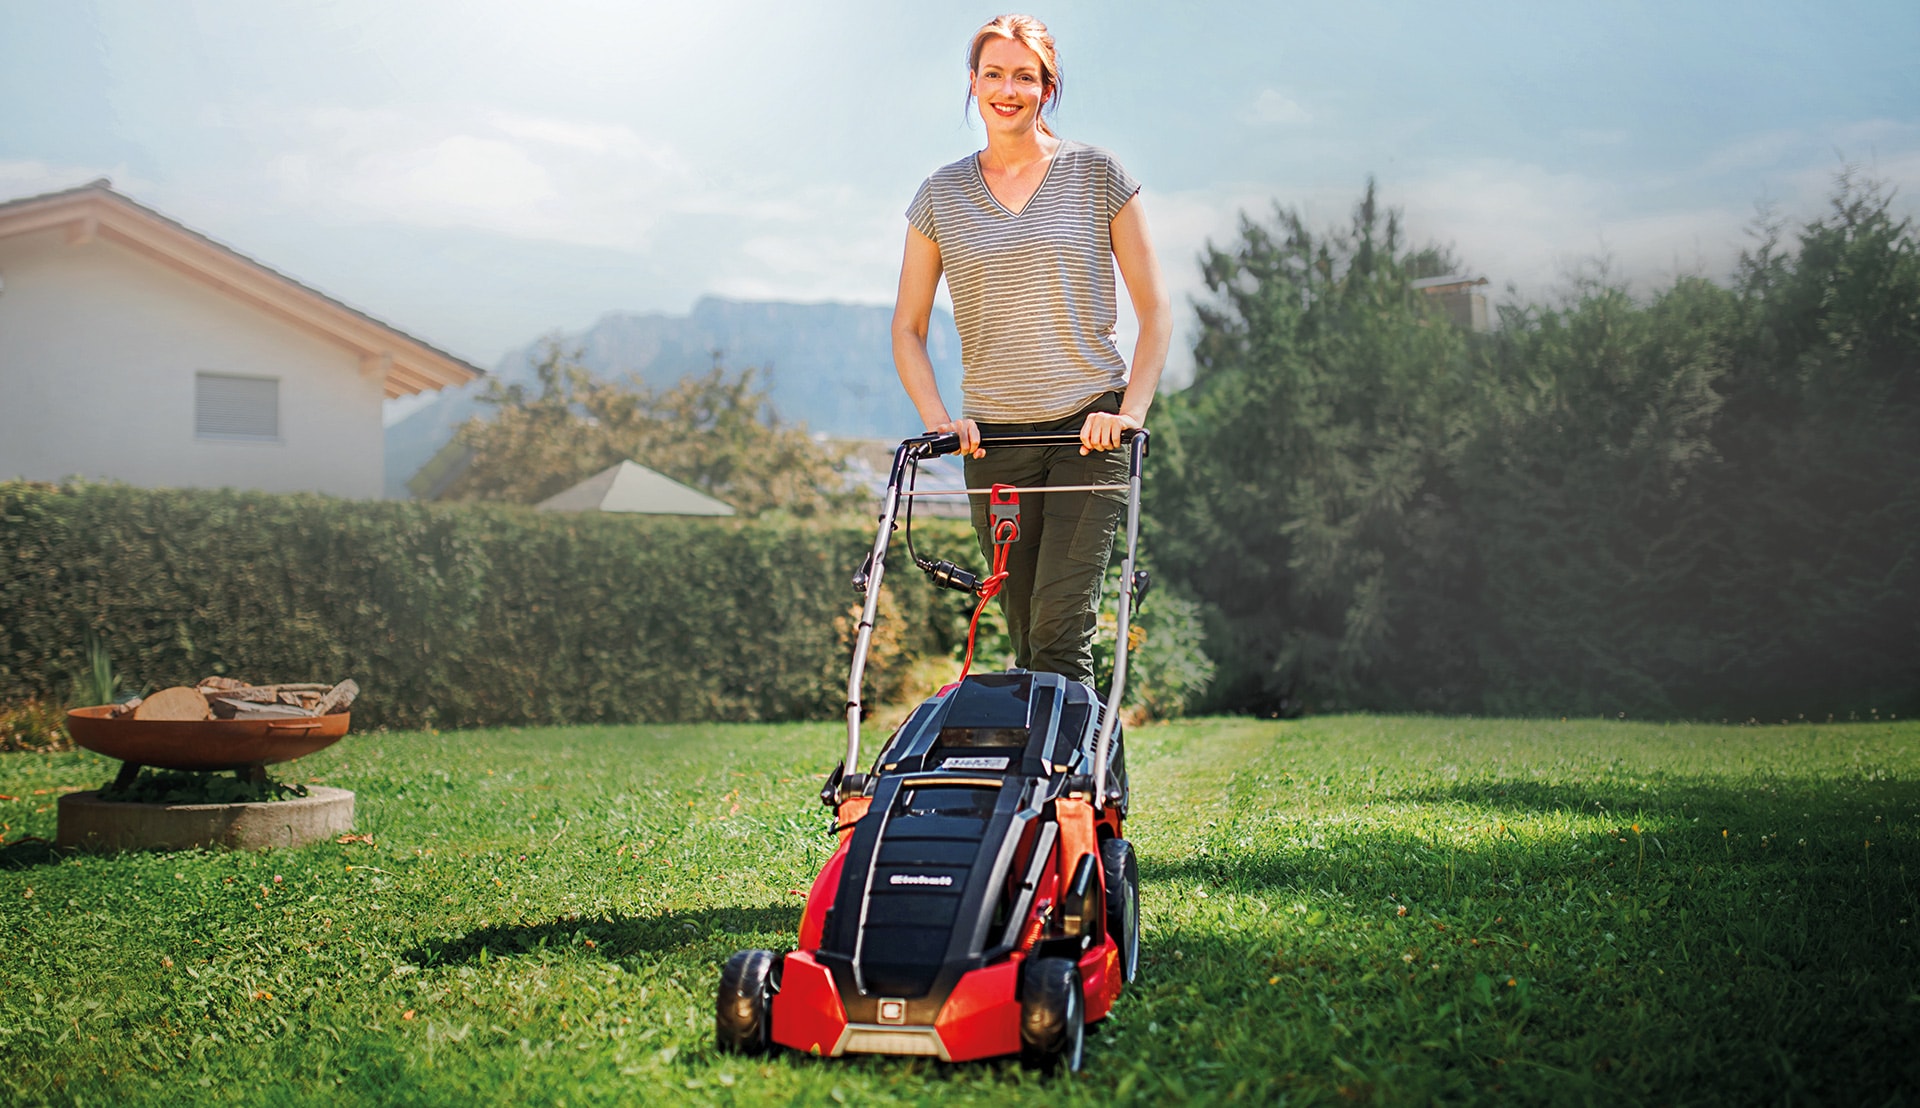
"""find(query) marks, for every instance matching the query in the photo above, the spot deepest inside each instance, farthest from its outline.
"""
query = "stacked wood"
(227, 698)
(179, 702)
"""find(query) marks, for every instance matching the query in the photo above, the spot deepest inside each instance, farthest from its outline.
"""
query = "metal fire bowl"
(203, 745)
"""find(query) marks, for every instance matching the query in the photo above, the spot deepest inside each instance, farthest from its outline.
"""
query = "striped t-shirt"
(1033, 293)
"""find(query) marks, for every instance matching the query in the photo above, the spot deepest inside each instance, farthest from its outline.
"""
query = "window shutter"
(236, 407)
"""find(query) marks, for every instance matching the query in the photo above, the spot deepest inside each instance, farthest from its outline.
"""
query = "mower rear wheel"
(1053, 1015)
(744, 1017)
(1122, 873)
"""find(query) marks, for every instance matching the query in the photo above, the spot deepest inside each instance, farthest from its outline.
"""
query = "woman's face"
(1008, 85)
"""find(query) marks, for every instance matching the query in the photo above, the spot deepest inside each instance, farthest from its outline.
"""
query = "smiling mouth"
(1006, 111)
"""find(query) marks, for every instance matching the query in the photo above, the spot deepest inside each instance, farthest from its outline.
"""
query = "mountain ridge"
(827, 365)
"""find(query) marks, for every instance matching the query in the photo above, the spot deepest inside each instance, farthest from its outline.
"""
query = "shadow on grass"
(29, 853)
(1792, 828)
(612, 936)
(1328, 1022)
(1671, 795)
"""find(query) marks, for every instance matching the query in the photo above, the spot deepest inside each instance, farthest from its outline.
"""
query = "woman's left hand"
(1102, 430)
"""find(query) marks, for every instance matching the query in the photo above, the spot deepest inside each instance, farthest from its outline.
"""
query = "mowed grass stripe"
(1339, 909)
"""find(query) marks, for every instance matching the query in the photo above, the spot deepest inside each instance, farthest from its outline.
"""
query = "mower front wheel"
(1053, 1015)
(744, 1018)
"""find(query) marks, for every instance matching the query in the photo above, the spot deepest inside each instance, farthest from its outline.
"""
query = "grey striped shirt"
(1033, 293)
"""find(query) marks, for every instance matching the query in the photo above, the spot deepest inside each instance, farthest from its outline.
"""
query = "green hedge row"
(449, 615)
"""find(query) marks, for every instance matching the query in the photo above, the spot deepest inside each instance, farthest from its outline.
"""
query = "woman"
(1027, 233)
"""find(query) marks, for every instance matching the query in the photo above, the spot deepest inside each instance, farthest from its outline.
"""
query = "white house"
(133, 348)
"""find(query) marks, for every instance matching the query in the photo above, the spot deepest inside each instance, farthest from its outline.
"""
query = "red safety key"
(1003, 503)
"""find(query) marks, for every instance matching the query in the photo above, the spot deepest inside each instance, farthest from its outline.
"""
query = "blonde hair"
(1032, 34)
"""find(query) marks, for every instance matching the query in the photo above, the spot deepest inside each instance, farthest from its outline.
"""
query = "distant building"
(135, 349)
(1459, 298)
(632, 487)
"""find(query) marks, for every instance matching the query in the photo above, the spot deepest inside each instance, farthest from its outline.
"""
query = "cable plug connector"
(949, 576)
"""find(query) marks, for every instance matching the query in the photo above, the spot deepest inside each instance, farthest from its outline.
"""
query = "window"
(230, 407)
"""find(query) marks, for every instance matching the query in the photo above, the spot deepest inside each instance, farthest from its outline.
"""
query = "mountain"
(829, 366)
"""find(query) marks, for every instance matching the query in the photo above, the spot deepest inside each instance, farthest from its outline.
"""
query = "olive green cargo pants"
(1056, 568)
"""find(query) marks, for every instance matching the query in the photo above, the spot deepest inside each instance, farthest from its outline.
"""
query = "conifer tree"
(1303, 491)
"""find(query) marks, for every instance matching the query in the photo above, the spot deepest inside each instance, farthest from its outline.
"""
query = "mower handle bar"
(934, 444)
(867, 581)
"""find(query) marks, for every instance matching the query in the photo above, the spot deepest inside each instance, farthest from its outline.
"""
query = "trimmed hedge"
(455, 615)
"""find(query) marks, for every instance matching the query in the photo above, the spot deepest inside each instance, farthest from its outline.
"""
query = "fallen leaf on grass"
(366, 839)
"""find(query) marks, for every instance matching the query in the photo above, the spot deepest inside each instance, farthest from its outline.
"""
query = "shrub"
(1167, 669)
(447, 615)
(33, 724)
(466, 615)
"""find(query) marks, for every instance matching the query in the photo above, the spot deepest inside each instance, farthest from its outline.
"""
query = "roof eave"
(405, 364)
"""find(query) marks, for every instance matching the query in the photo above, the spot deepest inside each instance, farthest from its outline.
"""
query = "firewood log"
(338, 699)
(177, 703)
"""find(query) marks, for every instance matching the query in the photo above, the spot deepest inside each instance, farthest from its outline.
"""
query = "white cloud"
(837, 256)
(513, 174)
(611, 140)
(1598, 136)
(1273, 108)
(1521, 223)
(1750, 152)
(1518, 222)
(1875, 150)
(746, 233)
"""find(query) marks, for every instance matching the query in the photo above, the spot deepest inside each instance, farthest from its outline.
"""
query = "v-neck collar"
(980, 175)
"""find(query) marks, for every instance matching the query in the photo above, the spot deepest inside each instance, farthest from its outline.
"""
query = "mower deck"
(958, 873)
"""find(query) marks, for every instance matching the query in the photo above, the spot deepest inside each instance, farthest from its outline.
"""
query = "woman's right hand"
(969, 433)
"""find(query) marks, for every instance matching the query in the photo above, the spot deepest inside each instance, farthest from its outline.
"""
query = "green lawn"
(1337, 910)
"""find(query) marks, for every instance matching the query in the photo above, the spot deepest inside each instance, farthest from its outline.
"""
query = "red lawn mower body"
(982, 899)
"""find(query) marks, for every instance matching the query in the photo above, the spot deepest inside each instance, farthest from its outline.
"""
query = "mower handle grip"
(932, 445)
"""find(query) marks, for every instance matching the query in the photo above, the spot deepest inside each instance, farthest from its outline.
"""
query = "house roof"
(632, 487)
(405, 364)
(1453, 282)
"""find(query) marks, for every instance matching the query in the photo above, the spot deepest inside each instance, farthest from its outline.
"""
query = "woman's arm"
(912, 309)
(1140, 269)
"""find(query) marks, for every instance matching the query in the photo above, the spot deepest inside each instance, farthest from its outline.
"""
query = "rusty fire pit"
(244, 745)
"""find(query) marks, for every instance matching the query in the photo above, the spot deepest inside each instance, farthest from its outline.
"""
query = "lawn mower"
(982, 900)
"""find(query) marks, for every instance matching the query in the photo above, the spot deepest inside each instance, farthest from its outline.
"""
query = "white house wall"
(99, 350)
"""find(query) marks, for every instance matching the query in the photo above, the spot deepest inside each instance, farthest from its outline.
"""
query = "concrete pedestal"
(90, 823)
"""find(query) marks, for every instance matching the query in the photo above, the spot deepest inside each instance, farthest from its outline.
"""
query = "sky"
(481, 172)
